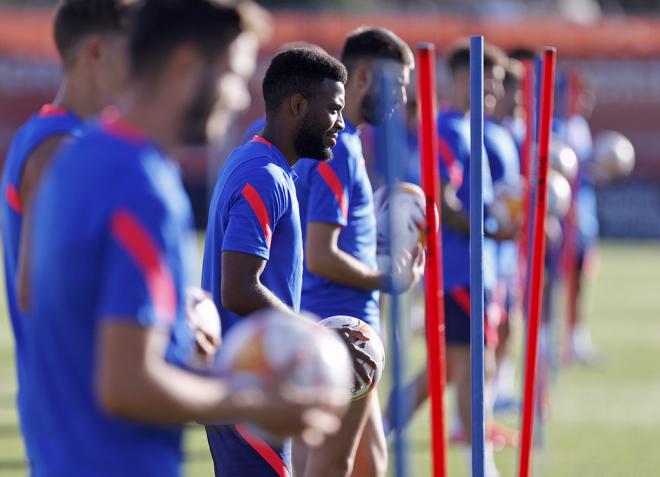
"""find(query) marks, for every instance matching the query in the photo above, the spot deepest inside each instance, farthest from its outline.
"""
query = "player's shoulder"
(257, 163)
(452, 123)
(498, 134)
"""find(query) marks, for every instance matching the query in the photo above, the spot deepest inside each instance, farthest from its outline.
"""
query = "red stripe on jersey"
(258, 138)
(447, 156)
(114, 125)
(256, 202)
(51, 110)
(14, 199)
(135, 239)
(264, 450)
(462, 298)
(330, 177)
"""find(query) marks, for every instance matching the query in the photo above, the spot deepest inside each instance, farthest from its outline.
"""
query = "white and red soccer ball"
(373, 347)
(405, 208)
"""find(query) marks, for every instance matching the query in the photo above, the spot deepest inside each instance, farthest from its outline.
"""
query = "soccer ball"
(270, 345)
(614, 155)
(406, 207)
(563, 159)
(507, 206)
(204, 321)
(559, 195)
(373, 347)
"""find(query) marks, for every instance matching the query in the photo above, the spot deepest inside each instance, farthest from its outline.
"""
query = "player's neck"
(282, 140)
(144, 111)
(77, 97)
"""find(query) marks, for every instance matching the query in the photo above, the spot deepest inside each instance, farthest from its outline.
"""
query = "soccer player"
(107, 338)
(339, 231)
(454, 160)
(453, 129)
(504, 162)
(90, 37)
(253, 254)
(507, 114)
(581, 240)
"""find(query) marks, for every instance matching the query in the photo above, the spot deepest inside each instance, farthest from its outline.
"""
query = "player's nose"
(339, 124)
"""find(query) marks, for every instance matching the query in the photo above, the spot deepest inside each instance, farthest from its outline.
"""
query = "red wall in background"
(621, 58)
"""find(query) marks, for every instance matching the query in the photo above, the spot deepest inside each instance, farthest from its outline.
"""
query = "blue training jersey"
(504, 162)
(339, 192)
(454, 158)
(50, 121)
(113, 232)
(254, 210)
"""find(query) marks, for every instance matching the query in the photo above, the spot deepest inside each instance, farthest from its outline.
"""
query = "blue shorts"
(237, 452)
(457, 318)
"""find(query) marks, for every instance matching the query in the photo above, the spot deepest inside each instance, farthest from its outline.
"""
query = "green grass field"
(604, 422)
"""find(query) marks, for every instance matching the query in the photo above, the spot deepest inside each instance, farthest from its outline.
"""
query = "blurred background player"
(107, 338)
(254, 249)
(339, 231)
(453, 128)
(501, 92)
(581, 236)
(454, 160)
(90, 37)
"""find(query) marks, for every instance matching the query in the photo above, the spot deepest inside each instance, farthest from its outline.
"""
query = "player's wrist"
(383, 282)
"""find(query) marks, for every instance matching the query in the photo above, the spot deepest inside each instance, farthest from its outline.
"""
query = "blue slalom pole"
(476, 252)
(389, 149)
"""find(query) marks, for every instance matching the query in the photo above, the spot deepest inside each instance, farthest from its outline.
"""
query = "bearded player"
(339, 231)
(254, 252)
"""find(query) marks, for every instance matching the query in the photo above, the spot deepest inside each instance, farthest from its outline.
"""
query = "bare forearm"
(344, 269)
(250, 298)
(168, 395)
(135, 382)
(22, 272)
(453, 215)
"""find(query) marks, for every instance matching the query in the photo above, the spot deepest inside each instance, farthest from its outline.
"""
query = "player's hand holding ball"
(507, 209)
(289, 376)
(365, 348)
(400, 245)
(204, 321)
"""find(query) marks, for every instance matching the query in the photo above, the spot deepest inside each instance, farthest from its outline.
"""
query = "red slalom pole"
(435, 313)
(525, 169)
(538, 254)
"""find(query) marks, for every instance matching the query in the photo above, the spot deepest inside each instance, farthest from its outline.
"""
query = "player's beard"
(374, 109)
(309, 141)
(197, 115)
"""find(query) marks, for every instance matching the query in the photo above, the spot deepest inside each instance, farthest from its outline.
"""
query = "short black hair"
(298, 70)
(76, 19)
(377, 44)
(522, 53)
(458, 56)
(513, 73)
(210, 25)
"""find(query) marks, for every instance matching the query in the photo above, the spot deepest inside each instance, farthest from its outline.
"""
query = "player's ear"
(184, 73)
(90, 49)
(298, 105)
(362, 76)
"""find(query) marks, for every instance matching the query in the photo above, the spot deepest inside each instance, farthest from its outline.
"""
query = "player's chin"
(322, 155)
